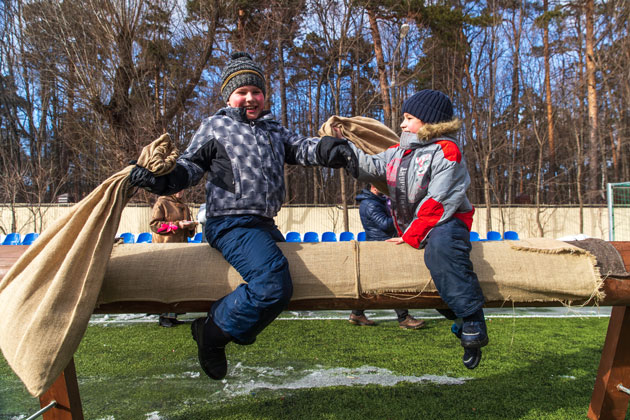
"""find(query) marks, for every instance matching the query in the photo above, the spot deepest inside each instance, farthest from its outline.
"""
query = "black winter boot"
(211, 341)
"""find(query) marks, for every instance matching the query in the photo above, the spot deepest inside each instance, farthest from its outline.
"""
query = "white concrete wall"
(555, 222)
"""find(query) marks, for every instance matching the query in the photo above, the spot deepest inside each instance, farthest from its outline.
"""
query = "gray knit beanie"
(241, 70)
(429, 106)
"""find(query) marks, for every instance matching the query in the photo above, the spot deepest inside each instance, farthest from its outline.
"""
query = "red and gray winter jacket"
(427, 179)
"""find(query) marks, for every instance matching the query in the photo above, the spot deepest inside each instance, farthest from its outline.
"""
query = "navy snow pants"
(248, 243)
(447, 256)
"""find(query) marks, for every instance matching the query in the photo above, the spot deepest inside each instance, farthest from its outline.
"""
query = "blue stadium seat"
(361, 236)
(311, 237)
(12, 239)
(128, 238)
(474, 236)
(293, 237)
(198, 238)
(329, 237)
(29, 238)
(346, 236)
(510, 235)
(493, 236)
(144, 238)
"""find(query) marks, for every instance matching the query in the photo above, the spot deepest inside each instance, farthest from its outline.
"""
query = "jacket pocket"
(236, 172)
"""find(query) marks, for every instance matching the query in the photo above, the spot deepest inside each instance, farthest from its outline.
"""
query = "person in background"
(427, 180)
(171, 222)
(378, 225)
(243, 149)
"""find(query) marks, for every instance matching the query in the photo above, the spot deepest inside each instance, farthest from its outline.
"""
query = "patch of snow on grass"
(270, 378)
(184, 375)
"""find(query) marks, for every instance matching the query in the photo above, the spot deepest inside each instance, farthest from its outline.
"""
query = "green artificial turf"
(533, 368)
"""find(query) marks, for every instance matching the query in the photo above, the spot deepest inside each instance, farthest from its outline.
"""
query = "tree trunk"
(487, 184)
(337, 96)
(380, 64)
(550, 132)
(284, 119)
(513, 148)
(593, 153)
(241, 36)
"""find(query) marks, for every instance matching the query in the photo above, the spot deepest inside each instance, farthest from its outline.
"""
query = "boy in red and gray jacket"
(427, 180)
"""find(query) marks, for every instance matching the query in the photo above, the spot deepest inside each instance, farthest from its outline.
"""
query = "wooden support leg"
(607, 401)
(65, 391)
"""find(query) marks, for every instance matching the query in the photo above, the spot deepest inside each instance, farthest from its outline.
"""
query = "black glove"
(144, 178)
(336, 153)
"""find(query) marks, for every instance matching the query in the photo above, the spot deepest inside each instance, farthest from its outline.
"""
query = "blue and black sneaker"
(474, 334)
(471, 358)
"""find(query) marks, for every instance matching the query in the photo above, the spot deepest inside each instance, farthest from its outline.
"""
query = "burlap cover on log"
(136, 272)
(532, 270)
(535, 270)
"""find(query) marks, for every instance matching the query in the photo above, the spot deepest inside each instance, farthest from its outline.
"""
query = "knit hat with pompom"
(241, 70)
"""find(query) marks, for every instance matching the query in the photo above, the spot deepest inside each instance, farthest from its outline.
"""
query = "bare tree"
(380, 65)
(594, 145)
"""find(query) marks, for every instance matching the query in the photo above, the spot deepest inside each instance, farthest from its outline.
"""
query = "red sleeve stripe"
(429, 214)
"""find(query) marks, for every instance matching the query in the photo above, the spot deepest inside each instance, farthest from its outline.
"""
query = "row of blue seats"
(326, 237)
(147, 238)
(127, 237)
(16, 239)
(508, 235)
(349, 236)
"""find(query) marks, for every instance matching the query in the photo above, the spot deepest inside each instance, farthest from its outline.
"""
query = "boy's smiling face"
(249, 97)
(410, 123)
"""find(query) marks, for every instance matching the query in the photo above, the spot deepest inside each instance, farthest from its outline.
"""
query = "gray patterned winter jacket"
(244, 160)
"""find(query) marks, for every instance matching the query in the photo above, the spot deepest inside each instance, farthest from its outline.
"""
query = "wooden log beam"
(617, 293)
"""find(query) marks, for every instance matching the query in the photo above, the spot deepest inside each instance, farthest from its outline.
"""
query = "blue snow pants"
(447, 256)
(248, 243)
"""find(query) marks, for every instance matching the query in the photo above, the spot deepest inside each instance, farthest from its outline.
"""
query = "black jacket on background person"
(375, 216)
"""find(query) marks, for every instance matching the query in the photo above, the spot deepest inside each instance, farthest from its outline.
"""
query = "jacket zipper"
(268, 139)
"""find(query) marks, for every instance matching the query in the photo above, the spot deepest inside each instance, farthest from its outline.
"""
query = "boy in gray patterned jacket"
(243, 150)
(427, 180)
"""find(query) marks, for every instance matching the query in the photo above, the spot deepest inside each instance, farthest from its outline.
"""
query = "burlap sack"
(48, 295)
(367, 134)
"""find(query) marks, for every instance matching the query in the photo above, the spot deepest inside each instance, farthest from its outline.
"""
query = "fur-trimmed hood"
(429, 131)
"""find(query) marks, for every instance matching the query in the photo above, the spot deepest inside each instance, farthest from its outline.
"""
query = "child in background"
(427, 179)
